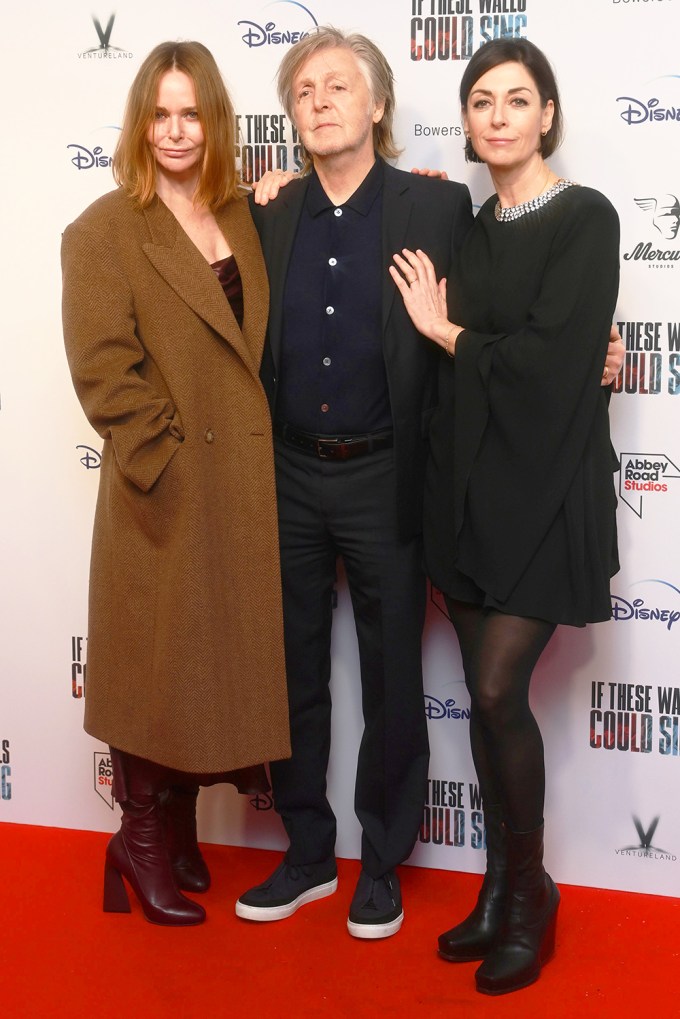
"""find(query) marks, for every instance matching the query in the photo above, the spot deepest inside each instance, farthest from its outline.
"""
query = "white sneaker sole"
(264, 914)
(375, 930)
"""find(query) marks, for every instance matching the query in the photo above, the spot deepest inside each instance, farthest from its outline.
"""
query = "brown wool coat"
(185, 650)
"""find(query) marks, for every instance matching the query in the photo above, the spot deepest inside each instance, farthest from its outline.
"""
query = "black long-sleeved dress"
(520, 499)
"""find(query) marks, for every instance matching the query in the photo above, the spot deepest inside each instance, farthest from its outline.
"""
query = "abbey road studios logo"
(105, 50)
(645, 474)
(103, 778)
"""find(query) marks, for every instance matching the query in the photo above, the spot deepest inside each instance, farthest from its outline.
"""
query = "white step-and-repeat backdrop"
(608, 697)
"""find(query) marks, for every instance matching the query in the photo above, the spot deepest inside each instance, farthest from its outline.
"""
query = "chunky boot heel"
(473, 938)
(527, 939)
(115, 896)
(138, 851)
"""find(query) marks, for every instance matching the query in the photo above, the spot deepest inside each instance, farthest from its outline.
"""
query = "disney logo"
(91, 458)
(638, 112)
(435, 708)
(85, 160)
(262, 801)
(258, 35)
(622, 610)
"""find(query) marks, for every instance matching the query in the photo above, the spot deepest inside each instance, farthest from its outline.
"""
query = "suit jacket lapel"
(277, 239)
(184, 268)
(396, 215)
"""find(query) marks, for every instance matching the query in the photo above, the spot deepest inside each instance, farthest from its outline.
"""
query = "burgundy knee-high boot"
(188, 866)
(527, 938)
(474, 937)
(138, 853)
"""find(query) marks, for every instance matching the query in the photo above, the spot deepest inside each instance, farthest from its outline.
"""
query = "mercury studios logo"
(104, 51)
(644, 474)
(5, 771)
(654, 608)
(103, 778)
(635, 111)
(645, 849)
(298, 22)
(662, 216)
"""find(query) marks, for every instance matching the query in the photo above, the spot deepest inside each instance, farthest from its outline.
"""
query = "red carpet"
(617, 954)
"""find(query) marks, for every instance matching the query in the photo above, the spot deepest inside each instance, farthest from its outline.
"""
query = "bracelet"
(446, 341)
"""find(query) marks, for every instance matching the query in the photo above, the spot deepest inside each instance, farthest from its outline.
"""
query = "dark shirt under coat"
(333, 378)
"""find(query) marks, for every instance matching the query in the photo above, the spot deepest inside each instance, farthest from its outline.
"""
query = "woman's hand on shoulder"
(268, 186)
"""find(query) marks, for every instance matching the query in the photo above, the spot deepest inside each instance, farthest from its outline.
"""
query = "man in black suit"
(352, 386)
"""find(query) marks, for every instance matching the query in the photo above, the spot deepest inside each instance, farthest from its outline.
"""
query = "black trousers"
(329, 509)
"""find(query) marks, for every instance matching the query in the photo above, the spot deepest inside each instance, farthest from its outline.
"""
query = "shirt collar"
(361, 201)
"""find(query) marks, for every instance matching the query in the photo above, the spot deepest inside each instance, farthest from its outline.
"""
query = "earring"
(543, 134)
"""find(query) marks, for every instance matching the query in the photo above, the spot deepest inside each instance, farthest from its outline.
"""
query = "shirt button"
(209, 436)
(327, 361)
(338, 212)
(330, 310)
(325, 408)
(332, 261)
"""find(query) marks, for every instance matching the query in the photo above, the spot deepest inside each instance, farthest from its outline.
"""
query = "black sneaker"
(288, 888)
(376, 907)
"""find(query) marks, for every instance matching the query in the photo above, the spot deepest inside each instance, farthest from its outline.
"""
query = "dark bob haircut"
(518, 51)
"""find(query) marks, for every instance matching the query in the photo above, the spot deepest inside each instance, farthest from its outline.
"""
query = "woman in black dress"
(520, 529)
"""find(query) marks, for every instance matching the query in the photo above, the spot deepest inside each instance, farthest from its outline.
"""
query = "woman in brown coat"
(165, 307)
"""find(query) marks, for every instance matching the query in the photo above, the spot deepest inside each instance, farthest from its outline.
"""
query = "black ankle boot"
(474, 938)
(138, 852)
(527, 938)
(188, 865)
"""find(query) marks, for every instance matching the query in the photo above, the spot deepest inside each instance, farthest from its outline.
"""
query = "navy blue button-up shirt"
(333, 379)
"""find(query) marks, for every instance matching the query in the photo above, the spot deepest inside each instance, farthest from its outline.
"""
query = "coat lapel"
(396, 215)
(184, 268)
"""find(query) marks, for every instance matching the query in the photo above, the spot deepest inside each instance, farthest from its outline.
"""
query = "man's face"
(333, 108)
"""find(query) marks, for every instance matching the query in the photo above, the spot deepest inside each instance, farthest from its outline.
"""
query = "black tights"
(499, 655)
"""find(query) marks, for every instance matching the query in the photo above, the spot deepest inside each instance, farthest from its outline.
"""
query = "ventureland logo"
(104, 50)
(645, 849)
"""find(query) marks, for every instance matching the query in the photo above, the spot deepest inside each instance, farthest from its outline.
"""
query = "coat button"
(209, 436)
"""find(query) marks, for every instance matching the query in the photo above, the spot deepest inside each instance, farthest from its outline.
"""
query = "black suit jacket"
(418, 212)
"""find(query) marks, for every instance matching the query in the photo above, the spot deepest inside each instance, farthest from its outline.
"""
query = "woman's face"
(504, 116)
(175, 135)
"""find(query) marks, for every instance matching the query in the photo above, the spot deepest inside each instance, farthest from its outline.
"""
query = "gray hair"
(373, 65)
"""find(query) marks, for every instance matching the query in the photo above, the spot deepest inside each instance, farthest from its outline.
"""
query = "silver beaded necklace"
(515, 211)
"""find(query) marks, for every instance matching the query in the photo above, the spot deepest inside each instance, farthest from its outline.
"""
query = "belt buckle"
(322, 445)
(333, 449)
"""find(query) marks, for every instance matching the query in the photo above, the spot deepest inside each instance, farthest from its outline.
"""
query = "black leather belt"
(333, 447)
